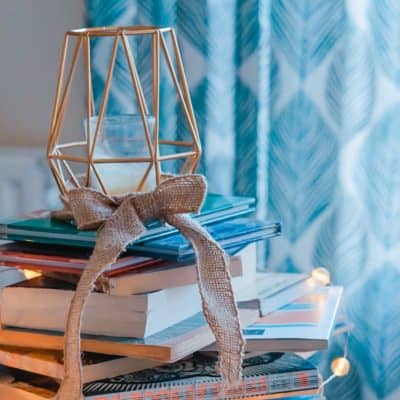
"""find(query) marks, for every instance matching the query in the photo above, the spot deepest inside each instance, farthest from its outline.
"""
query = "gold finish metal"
(60, 155)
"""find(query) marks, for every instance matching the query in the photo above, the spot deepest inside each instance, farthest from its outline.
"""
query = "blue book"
(232, 235)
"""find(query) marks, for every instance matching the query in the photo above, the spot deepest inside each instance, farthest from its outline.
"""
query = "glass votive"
(121, 139)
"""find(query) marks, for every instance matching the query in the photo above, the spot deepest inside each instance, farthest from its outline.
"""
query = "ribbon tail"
(122, 228)
(217, 295)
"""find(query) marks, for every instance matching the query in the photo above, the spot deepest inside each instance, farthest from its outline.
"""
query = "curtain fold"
(297, 103)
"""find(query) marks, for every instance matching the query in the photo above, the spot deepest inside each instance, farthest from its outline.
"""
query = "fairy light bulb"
(321, 275)
(340, 366)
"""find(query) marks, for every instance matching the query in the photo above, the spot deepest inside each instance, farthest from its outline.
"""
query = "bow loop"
(89, 208)
(181, 194)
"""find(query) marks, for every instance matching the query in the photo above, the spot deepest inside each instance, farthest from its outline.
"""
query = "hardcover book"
(66, 259)
(39, 227)
(267, 376)
(232, 235)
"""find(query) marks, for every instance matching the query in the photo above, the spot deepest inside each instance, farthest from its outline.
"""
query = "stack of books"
(144, 335)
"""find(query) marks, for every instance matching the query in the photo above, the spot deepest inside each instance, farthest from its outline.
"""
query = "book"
(65, 259)
(10, 276)
(267, 376)
(166, 346)
(37, 226)
(143, 277)
(43, 303)
(242, 268)
(273, 290)
(231, 235)
(304, 325)
(51, 363)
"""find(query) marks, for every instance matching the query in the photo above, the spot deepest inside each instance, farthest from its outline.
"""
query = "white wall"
(31, 34)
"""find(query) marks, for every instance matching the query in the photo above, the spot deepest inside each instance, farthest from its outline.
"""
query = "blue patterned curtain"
(298, 103)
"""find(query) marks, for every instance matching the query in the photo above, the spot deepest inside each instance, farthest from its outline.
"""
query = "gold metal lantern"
(120, 153)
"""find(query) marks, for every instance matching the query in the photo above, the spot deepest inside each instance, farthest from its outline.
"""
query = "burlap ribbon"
(121, 221)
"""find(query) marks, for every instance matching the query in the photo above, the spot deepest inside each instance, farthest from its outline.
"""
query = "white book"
(304, 325)
(43, 303)
(159, 277)
(273, 290)
(301, 326)
(51, 363)
(163, 277)
(138, 315)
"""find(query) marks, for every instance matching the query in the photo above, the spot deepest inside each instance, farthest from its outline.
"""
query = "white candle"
(122, 136)
(124, 177)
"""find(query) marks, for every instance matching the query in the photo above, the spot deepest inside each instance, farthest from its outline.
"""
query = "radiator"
(25, 181)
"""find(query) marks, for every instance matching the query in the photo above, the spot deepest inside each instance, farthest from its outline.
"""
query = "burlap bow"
(122, 221)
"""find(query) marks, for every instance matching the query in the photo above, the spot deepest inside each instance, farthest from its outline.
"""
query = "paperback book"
(43, 303)
(306, 324)
(273, 290)
(166, 346)
(267, 376)
(51, 363)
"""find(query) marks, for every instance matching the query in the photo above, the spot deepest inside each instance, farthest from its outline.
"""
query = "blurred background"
(297, 103)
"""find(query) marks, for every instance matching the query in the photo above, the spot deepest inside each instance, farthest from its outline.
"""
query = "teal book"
(232, 235)
(39, 227)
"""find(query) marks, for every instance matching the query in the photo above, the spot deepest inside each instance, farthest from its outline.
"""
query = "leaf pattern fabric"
(297, 103)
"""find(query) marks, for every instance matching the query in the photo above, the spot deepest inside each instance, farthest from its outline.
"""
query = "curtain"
(297, 102)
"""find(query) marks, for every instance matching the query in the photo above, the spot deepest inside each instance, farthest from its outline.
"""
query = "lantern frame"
(57, 153)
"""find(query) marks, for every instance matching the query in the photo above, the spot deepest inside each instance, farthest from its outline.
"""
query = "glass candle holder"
(121, 155)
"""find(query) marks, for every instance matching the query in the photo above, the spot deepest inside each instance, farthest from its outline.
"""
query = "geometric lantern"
(120, 153)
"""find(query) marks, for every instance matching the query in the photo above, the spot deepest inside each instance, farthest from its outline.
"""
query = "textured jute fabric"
(121, 220)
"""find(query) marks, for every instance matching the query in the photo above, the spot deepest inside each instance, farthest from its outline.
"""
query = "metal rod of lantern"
(185, 87)
(65, 96)
(89, 108)
(60, 79)
(139, 91)
(106, 92)
(178, 89)
(59, 181)
(98, 177)
(143, 109)
(67, 157)
(156, 102)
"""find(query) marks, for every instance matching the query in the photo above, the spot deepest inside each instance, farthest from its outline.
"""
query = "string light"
(321, 275)
(340, 366)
